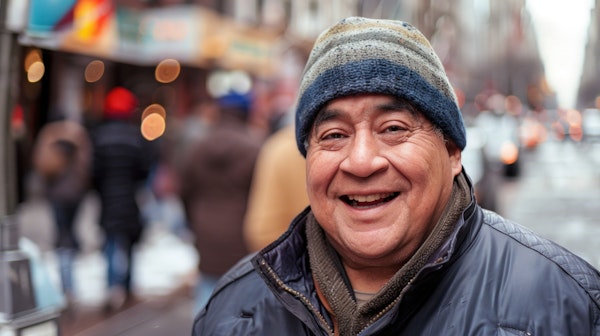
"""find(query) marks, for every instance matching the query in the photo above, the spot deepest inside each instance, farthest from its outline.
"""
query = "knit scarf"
(329, 275)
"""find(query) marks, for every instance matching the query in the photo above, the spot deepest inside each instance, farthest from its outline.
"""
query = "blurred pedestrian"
(394, 242)
(215, 182)
(62, 157)
(278, 191)
(164, 202)
(122, 160)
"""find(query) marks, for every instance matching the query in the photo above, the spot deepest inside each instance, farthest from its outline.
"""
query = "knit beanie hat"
(119, 103)
(360, 55)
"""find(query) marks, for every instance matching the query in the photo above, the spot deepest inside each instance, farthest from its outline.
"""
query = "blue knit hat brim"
(383, 77)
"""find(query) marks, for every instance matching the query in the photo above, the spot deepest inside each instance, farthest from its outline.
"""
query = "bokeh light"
(509, 153)
(153, 122)
(167, 70)
(94, 71)
(34, 65)
(33, 55)
(36, 71)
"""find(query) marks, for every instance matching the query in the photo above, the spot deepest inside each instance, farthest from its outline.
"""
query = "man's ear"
(455, 155)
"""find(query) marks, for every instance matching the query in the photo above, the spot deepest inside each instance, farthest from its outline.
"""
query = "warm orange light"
(575, 132)
(35, 72)
(153, 126)
(167, 70)
(154, 108)
(32, 56)
(94, 71)
(509, 153)
(153, 122)
(532, 133)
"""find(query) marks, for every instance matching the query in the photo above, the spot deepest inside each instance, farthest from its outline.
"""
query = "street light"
(19, 314)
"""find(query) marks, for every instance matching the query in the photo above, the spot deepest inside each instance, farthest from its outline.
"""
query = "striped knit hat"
(360, 55)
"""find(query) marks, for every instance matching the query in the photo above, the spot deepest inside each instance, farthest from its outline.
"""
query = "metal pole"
(16, 293)
(8, 86)
(17, 301)
(19, 314)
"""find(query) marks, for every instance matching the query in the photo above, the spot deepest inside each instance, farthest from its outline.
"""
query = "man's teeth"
(368, 198)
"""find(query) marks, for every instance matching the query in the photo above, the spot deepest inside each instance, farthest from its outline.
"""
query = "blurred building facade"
(589, 86)
(483, 43)
(89, 46)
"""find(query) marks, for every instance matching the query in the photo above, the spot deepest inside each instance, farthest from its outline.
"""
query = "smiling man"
(393, 242)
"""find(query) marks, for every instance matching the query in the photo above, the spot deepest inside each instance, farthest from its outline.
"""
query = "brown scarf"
(325, 265)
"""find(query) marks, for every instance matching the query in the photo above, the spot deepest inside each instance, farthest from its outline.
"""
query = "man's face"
(378, 178)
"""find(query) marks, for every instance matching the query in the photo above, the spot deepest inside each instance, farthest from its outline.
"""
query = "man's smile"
(368, 201)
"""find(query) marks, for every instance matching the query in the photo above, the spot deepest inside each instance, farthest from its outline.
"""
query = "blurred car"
(566, 124)
(590, 125)
(477, 166)
(501, 141)
(531, 133)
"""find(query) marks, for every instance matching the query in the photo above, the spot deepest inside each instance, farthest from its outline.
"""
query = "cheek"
(411, 163)
(320, 171)
(315, 172)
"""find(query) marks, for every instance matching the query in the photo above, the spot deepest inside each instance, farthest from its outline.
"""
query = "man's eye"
(395, 128)
(332, 136)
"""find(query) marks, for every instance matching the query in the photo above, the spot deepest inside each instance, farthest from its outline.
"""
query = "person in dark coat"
(215, 183)
(394, 242)
(122, 160)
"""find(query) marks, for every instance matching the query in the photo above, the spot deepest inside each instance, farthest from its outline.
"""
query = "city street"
(163, 276)
(558, 196)
(60, 59)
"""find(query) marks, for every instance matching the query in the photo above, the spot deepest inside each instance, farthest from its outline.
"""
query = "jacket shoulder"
(243, 304)
(584, 274)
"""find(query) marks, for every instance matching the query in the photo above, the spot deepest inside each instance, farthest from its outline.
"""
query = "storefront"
(130, 43)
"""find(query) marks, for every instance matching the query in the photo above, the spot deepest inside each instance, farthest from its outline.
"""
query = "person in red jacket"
(121, 164)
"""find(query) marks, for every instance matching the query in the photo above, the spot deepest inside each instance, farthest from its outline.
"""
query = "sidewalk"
(163, 276)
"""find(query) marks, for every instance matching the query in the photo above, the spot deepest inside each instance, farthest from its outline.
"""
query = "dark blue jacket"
(495, 278)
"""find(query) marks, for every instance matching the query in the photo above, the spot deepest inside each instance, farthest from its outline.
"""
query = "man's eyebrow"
(398, 105)
(394, 105)
(324, 115)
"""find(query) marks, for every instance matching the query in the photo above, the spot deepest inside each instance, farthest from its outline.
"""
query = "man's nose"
(363, 157)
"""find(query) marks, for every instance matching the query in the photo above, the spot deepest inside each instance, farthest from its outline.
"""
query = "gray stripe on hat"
(377, 49)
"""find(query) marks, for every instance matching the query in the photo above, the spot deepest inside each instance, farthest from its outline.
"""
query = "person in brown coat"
(62, 157)
(215, 183)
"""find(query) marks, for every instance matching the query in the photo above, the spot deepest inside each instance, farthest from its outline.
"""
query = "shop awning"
(193, 35)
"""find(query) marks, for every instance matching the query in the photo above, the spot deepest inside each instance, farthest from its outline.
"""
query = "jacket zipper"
(300, 296)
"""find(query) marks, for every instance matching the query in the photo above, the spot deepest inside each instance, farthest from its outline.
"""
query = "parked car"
(502, 146)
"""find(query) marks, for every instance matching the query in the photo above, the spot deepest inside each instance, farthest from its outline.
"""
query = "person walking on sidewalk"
(62, 158)
(122, 161)
(216, 178)
(394, 242)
